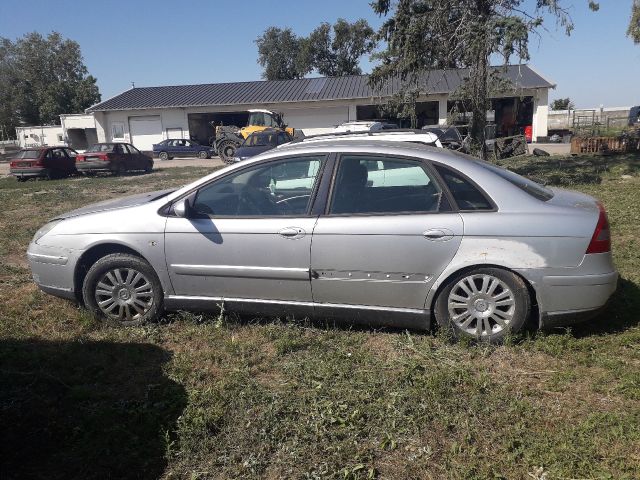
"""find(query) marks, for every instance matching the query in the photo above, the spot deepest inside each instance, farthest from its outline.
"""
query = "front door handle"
(438, 234)
(292, 232)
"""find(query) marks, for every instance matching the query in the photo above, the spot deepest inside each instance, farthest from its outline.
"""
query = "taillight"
(13, 164)
(601, 240)
(103, 156)
(79, 158)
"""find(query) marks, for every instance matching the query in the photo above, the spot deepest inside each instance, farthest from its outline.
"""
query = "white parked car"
(364, 126)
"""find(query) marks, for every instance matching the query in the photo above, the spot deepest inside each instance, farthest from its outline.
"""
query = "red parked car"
(116, 158)
(45, 162)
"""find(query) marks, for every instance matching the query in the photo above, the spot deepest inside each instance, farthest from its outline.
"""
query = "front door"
(249, 236)
(388, 235)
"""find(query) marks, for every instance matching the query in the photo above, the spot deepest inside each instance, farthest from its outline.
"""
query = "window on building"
(117, 131)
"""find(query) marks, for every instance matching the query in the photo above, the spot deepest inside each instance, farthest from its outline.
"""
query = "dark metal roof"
(298, 90)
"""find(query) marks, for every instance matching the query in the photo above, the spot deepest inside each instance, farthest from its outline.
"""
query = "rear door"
(388, 234)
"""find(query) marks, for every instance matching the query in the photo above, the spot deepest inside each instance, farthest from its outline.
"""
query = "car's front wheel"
(484, 303)
(123, 289)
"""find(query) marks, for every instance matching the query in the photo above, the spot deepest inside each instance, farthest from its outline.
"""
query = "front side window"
(372, 184)
(133, 150)
(275, 189)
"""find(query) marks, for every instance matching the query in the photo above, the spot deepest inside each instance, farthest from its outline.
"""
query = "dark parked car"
(178, 147)
(47, 162)
(259, 142)
(116, 158)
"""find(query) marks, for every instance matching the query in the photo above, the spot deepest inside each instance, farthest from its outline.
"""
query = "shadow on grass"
(621, 314)
(85, 409)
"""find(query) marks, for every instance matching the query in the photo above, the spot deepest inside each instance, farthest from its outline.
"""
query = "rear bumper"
(574, 299)
(100, 166)
(29, 172)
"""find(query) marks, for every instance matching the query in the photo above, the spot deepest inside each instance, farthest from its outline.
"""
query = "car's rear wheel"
(123, 289)
(202, 154)
(164, 156)
(484, 303)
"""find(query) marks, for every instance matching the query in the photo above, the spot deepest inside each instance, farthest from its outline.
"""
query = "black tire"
(148, 168)
(21, 179)
(227, 150)
(483, 308)
(163, 156)
(203, 154)
(153, 301)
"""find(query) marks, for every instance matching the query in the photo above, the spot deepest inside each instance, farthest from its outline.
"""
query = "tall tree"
(41, 78)
(281, 55)
(421, 35)
(634, 24)
(562, 104)
(331, 50)
(336, 50)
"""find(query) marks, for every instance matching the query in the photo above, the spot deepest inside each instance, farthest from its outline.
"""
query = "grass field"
(219, 397)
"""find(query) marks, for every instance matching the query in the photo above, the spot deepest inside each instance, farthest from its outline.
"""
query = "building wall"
(40, 136)
(310, 117)
(540, 113)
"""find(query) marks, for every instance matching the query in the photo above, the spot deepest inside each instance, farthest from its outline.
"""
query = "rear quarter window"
(465, 193)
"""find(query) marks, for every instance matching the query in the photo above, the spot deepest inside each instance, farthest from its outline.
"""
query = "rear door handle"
(438, 234)
(292, 232)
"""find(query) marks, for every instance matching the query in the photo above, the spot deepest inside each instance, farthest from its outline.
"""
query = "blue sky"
(199, 41)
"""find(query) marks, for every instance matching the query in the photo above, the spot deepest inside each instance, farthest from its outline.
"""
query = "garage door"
(145, 131)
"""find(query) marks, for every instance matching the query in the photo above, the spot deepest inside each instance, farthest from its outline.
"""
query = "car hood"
(117, 203)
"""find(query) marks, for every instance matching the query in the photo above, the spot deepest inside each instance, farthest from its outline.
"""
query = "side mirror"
(183, 208)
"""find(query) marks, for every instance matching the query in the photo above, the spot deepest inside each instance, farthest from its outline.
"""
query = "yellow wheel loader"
(229, 137)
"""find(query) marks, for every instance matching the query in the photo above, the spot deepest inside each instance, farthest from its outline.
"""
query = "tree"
(562, 104)
(422, 35)
(331, 50)
(634, 24)
(339, 55)
(281, 55)
(42, 78)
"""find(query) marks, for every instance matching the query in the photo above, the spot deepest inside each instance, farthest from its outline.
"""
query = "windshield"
(28, 154)
(100, 147)
(260, 140)
(532, 188)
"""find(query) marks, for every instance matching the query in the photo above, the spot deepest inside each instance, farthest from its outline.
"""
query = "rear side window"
(532, 188)
(376, 185)
(466, 195)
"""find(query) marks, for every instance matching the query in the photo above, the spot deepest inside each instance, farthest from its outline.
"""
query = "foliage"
(329, 50)
(634, 24)
(41, 78)
(280, 53)
(339, 55)
(423, 35)
(562, 104)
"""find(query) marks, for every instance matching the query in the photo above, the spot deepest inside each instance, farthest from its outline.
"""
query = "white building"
(77, 131)
(147, 115)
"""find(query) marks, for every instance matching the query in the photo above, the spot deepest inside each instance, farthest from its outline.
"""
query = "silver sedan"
(384, 233)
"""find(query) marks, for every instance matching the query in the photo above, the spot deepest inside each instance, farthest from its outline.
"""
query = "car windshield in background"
(532, 188)
(28, 154)
(260, 140)
(101, 147)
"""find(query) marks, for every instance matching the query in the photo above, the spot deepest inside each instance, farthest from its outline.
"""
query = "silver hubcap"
(124, 294)
(481, 305)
